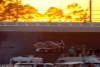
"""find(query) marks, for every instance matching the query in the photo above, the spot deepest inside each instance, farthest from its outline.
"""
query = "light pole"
(12, 60)
(16, 10)
(90, 7)
(60, 7)
(60, 4)
(83, 55)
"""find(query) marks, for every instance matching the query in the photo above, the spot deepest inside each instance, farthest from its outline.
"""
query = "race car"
(49, 46)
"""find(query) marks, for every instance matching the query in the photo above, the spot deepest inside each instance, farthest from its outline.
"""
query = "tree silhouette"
(77, 13)
(53, 13)
(5, 4)
(29, 13)
(25, 12)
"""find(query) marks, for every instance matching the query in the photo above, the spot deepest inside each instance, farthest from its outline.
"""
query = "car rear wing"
(63, 43)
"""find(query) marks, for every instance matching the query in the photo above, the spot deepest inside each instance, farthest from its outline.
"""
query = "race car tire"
(59, 50)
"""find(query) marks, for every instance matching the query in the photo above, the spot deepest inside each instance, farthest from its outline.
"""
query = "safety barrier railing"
(51, 24)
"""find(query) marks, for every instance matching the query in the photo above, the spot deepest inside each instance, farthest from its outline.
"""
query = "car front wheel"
(45, 50)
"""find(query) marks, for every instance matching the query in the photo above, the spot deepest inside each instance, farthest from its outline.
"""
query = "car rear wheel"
(59, 50)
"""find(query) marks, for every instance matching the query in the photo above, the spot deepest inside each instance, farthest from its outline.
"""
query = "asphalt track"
(21, 43)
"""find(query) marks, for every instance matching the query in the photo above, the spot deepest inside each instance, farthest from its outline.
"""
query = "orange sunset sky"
(43, 5)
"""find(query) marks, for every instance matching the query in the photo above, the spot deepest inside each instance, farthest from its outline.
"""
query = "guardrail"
(50, 27)
(50, 24)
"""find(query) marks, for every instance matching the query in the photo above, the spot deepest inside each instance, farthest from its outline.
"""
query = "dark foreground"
(21, 43)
